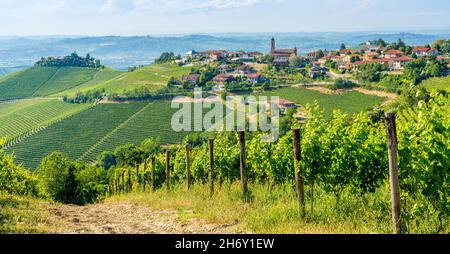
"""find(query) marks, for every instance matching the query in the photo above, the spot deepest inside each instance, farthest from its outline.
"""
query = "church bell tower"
(273, 46)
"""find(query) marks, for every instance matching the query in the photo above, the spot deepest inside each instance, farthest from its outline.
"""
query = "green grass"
(85, 135)
(42, 81)
(99, 78)
(276, 211)
(24, 215)
(66, 78)
(349, 102)
(437, 84)
(24, 83)
(19, 117)
(153, 77)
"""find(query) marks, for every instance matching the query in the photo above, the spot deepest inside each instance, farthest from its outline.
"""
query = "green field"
(99, 78)
(437, 83)
(66, 78)
(19, 117)
(25, 83)
(43, 81)
(349, 102)
(153, 77)
(104, 127)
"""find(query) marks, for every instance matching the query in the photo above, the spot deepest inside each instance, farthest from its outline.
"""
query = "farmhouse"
(255, 77)
(243, 70)
(224, 68)
(393, 53)
(284, 105)
(424, 51)
(370, 55)
(222, 78)
(399, 63)
(191, 78)
(281, 56)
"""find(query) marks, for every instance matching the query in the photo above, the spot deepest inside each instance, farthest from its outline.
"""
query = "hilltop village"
(375, 63)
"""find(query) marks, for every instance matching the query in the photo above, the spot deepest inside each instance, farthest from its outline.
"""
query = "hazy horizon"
(186, 17)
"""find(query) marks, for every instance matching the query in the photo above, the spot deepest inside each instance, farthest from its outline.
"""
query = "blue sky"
(139, 17)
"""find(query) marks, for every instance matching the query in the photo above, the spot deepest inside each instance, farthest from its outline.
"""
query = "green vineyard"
(20, 117)
(99, 78)
(85, 135)
(66, 78)
(25, 83)
(349, 102)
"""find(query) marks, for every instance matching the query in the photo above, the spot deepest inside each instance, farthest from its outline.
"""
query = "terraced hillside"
(153, 77)
(42, 81)
(20, 117)
(66, 78)
(101, 128)
(25, 83)
(99, 78)
(349, 102)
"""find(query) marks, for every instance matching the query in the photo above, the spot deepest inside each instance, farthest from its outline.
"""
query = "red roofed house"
(222, 78)
(255, 77)
(243, 69)
(370, 55)
(424, 51)
(284, 105)
(191, 78)
(344, 52)
(399, 63)
(393, 53)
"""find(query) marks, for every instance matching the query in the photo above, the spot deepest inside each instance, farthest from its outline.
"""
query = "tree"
(343, 46)
(129, 155)
(106, 160)
(56, 176)
(319, 53)
(150, 146)
(296, 62)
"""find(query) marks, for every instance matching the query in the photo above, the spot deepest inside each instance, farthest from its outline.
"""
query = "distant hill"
(122, 52)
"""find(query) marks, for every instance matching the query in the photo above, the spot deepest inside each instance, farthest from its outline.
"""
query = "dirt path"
(128, 218)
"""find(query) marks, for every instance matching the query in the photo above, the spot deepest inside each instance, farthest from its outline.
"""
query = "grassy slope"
(100, 77)
(21, 116)
(24, 83)
(153, 77)
(276, 211)
(349, 102)
(23, 215)
(66, 78)
(438, 83)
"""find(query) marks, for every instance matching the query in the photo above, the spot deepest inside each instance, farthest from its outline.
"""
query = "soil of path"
(128, 218)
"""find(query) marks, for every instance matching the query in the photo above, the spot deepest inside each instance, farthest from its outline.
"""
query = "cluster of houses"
(227, 74)
(345, 60)
(219, 55)
(350, 59)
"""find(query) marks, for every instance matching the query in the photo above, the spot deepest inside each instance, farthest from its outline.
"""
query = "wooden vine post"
(168, 170)
(391, 132)
(123, 182)
(153, 173)
(144, 179)
(188, 167)
(243, 165)
(129, 180)
(298, 179)
(211, 166)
